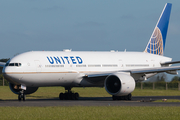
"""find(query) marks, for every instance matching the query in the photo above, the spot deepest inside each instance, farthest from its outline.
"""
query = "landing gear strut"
(68, 95)
(21, 95)
(127, 97)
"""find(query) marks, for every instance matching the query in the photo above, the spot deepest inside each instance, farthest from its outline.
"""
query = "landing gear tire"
(127, 97)
(69, 95)
(73, 96)
(115, 97)
(22, 96)
(61, 96)
(19, 97)
(76, 96)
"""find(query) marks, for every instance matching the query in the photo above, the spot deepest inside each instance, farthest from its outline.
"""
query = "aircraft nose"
(8, 74)
(3, 70)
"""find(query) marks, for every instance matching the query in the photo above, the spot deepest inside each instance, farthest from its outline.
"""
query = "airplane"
(117, 71)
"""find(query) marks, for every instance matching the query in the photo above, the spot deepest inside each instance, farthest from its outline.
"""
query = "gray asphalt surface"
(94, 101)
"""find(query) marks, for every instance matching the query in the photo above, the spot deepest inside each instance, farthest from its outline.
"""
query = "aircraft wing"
(171, 62)
(155, 70)
(2, 64)
(137, 71)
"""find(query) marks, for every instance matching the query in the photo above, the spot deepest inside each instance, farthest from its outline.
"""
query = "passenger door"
(38, 65)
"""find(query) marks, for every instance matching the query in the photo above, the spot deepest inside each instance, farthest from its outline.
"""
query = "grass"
(83, 113)
(53, 92)
(88, 112)
(156, 92)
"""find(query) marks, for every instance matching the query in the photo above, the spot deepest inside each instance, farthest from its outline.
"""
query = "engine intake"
(119, 84)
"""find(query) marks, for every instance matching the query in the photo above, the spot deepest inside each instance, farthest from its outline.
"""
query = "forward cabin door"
(38, 66)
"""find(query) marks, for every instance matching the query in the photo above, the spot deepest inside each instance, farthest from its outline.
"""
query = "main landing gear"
(127, 97)
(21, 96)
(68, 95)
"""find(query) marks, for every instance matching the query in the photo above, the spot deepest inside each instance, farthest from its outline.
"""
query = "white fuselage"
(49, 68)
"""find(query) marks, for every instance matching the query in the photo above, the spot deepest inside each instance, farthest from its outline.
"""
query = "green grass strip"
(89, 113)
(53, 92)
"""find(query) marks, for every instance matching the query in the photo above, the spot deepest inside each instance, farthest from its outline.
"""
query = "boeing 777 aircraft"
(116, 71)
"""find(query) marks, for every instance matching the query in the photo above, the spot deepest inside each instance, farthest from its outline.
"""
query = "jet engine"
(119, 84)
(16, 89)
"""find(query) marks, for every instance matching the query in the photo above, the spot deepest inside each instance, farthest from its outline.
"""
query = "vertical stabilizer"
(157, 41)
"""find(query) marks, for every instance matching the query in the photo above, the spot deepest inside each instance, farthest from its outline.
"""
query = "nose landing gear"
(21, 96)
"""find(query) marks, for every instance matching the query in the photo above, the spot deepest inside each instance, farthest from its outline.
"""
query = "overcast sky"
(84, 25)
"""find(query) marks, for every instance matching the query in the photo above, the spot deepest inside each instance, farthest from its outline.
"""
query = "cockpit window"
(13, 64)
(7, 63)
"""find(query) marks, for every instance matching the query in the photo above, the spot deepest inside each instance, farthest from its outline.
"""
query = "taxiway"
(94, 101)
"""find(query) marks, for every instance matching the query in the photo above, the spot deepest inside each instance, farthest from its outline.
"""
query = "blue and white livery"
(116, 71)
(157, 41)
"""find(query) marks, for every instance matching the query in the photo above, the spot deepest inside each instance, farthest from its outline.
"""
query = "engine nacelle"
(119, 84)
(16, 89)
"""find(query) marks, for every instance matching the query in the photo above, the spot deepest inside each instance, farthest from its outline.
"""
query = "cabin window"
(16, 64)
(54, 66)
(94, 65)
(109, 65)
(80, 65)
